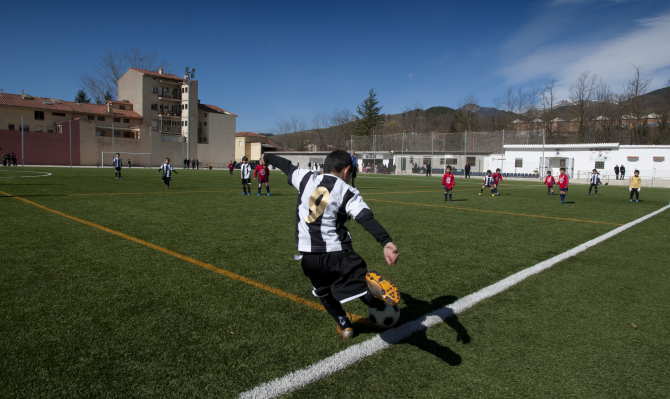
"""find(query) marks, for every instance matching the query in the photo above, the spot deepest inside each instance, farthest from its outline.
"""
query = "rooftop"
(249, 134)
(214, 109)
(54, 104)
(157, 74)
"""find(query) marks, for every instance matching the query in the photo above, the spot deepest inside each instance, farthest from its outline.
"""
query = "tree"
(414, 118)
(466, 118)
(111, 66)
(635, 102)
(581, 93)
(548, 107)
(107, 97)
(369, 115)
(82, 97)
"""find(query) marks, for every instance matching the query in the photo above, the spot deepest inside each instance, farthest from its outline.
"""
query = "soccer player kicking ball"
(487, 182)
(337, 273)
(497, 178)
(167, 172)
(448, 182)
(635, 186)
(262, 174)
(563, 184)
(550, 182)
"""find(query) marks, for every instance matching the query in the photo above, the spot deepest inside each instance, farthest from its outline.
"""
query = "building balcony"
(169, 114)
(168, 97)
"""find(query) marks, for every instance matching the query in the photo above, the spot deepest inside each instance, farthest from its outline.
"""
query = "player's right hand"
(391, 254)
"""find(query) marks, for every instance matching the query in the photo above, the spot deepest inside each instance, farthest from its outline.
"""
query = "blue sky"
(268, 60)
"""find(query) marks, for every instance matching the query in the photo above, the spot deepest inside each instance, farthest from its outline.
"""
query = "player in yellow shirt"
(635, 186)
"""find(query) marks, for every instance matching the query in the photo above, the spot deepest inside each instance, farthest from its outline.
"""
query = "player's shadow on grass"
(458, 200)
(421, 340)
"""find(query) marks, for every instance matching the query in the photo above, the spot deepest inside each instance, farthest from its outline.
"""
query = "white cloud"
(410, 75)
(647, 45)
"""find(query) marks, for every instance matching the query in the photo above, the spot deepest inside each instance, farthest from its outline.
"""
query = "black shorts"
(343, 271)
(562, 189)
(166, 179)
(486, 185)
(246, 181)
(117, 168)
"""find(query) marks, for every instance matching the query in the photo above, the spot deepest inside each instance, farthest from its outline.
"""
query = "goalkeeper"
(325, 203)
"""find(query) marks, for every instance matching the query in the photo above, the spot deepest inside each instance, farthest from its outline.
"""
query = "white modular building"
(653, 161)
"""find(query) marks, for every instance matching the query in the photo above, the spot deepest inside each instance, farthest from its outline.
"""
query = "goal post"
(137, 159)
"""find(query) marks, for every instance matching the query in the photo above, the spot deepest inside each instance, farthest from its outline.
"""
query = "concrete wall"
(41, 148)
(12, 116)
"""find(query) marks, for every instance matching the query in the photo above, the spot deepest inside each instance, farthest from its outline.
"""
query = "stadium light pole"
(149, 147)
(70, 129)
(543, 162)
(22, 157)
(112, 143)
(502, 152)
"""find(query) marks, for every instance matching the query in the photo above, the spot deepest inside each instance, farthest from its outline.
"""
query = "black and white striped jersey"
(245, 169)
(117, 162)
(488, 181)
(594, 178)
(167, 169)
(325, 203)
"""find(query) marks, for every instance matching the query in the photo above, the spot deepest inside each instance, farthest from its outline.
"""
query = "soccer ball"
(384, 315)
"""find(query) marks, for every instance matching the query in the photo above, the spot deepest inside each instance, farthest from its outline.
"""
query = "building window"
(99, 132)
(91, 118)
(239, 143)
(185, 106)
(117, 119)
(58, 113)
(518, 163)
(154, 107)
(205, 123)
(10, 127)
(59, 128)
(561, 163)
(25, 128)
(38, 128)
(50, 129)
(205, 114)
(39, 115)
(451, 161)
(185, 123)
(126, 121)
(185, 89)
(659, 159)
(154, 89)
(101, 118)
(472, 161)
(122, 107)
(600, 165)
(633, 159)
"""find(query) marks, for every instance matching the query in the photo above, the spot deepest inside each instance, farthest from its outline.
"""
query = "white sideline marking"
(43, 174)
(358, 352)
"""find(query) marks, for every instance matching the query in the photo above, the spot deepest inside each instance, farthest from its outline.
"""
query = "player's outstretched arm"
(285, 166)
(366, 219)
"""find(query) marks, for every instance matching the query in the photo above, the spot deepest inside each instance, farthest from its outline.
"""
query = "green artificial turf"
(86, 313)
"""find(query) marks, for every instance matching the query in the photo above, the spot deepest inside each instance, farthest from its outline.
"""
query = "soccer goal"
(137, 159)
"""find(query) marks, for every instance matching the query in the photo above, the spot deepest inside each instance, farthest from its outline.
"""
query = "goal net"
(137, 159)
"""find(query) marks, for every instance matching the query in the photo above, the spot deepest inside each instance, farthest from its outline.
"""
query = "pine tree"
(368, 115)
(82, 97)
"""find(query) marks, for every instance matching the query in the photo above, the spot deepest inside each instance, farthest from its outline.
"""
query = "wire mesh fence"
(484, 142)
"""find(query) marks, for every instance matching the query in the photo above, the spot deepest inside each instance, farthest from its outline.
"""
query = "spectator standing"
(622, 169)
(428, 170)
(467, 170)
(616, 171)
(14, 158)
(309, 165)
(128, 163)
(185, 163)
(231, 167)
(197, 164)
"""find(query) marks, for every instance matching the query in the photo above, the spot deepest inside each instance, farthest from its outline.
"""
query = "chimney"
(109, 108)
(160, 70)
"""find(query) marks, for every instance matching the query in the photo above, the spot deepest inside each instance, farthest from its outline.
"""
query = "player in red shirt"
(563, 184)
(497, 178)
(550, 182)
(448, 183)
(262, 174)
(231, 167)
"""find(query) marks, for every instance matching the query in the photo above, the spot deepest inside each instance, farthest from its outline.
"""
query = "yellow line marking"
(503, 213)
(234, 276)
(170, 192)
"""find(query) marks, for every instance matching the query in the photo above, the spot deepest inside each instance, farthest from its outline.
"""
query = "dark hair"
(488, 171)
(497, 169)
(336, 161)
(449, 167)
(563, 169)
(636, 171)
(548, 172)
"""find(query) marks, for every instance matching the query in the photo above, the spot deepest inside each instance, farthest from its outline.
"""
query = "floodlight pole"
(465, 146)
(402, 149)
(543, 161)
(70, 129)
(374, 153)
(502, 152)
(149, 147)
(112, 141)
(22, 157)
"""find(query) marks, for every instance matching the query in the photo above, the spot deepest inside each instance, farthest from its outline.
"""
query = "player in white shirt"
(167, 172)
(245, 170)
(488, 182)
(117, 162)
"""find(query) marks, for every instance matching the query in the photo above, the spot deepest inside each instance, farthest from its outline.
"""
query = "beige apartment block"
(252, 145)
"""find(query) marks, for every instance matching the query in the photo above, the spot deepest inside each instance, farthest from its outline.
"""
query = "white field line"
(43, 174)
(358, 352)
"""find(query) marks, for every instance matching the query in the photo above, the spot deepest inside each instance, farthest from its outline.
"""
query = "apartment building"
(157, 113)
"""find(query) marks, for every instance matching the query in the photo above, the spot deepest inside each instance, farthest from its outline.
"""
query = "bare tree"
(604, 110)
(414, 118)
(111, 66)
(507, 103)
(581, 93)
(635, 102)
(467, 117)
(548, 104)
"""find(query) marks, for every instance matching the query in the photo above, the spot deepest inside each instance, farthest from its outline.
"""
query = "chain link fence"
(483, 142)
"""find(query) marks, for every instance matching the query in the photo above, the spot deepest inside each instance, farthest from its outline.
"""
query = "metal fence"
(485, 142)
